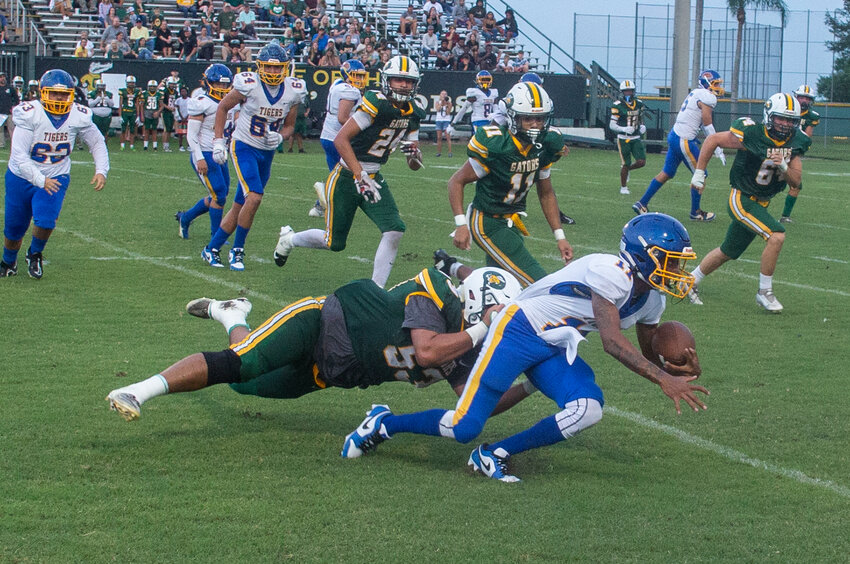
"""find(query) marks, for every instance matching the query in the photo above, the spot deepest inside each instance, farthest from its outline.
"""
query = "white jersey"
(42, 145)
(482, 103)
(559, 306)
(265, 107)
(181, 104)
(689, 118)
(340, 90)
(205, 106)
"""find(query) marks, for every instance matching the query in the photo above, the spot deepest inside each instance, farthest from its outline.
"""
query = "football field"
(762, 475)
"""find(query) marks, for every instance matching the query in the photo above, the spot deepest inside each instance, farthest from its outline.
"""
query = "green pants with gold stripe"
(629, 148)
(277, 357)
(749, 218)
(102, 123)
(504, 246)
(343, 201)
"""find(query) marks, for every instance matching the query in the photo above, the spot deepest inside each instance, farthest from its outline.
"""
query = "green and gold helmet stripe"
(405, 65)
(537, 99)
(789, 104)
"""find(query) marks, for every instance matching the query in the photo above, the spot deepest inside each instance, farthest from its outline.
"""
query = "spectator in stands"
(477, 13)
(453, 36)
(433, 20)
(384, 57)
(370, 57)
(457, 51)
(474, 56)
(140, 36)
(314, 55)
(121, 11)
(206, 45)
(352, 35)
(103, 12)
(124, 47)
(347, 50)
(277, 15)
(320, 9)
(155, 18)
(367, 31)
(225, 18)
(295, 9)
(246, 20)
(234, 3)
(339, 30)
(445, 59)
(325, 22)
(432, 5)
(163, 40)
(139, 9)
(429, 46)
(472, 38)
(83, 50)
(110, 34)
(205, 24)
(299, 38)
(505, 65)
(466, 63)
(488, 59)
(407, 22)
(205, 9)
(187, 8)
(331, 56)
(520, 64)
(263, 7)
(60, 7)
(313, 24)
(508, 23)
(489, 30)
(459, 13)
(188, 45)
(86, 6)
(321, 39)
(113, 51)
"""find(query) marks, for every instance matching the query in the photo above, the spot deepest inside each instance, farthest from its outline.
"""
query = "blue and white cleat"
(182, 230)
(366, 437)
(237, 259)
(639, 208)
(212, 257)
(491, 463)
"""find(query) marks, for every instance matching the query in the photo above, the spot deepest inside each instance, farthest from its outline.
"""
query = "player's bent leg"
(385, 256)
(230, 313)
(287, 382)
(505, 248)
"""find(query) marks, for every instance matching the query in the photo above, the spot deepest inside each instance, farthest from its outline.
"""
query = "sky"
(798, 67)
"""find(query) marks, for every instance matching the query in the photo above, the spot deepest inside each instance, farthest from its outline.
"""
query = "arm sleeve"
(94, 139)
(422, 313)
(193, 137)
(709, 129)
(461, 112)
(613, 125)
(21, 146)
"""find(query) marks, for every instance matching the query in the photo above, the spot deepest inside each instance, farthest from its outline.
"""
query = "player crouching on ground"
(40, 166)
(768, 159)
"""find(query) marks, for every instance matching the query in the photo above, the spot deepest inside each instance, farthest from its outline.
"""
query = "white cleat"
(624, 190)
(207, 308)
(768, 301)
(693, 296)
(319, 187)
(125, 404)
(316, 211)
(284, 245)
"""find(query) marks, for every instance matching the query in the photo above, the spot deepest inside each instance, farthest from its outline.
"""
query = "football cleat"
(565, 219)
(443, 261)
(125, 404)
(212, 257)
(284, 245)
(624, 190)
(701, 215)
(206, 308)
(7, 270)
(693, 296)
(491, 463)
(639, 208)
(34, 265)
(768, 301)
(237, 259)
(317, 210)
(368, 435)
(785, 219)
(182, 230)
(319, 187)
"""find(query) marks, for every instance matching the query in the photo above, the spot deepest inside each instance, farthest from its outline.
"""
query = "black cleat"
(7, 270)
(565, 219)
(34, 268)
(443, 261)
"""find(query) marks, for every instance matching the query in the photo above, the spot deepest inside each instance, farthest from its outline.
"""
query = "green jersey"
(629, 115)
(809, 118)
(753, 172)
(168, 96)
(506, 171)
(150, 102)
(383, 126)
(378, 325)
(128, 100)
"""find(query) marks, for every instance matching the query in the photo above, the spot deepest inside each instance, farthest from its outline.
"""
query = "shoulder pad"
(82, 114)
(24, 114)
(418, 108)
(472, 92)
(374, 95)
(706, 97)
(197, 106)
(244, 82)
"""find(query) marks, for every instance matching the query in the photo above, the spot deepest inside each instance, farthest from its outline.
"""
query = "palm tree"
(739, 9)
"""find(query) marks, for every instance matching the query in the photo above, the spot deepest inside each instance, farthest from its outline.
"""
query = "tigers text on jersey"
(42, 144)
(382, 128)
(559, 306)
(340, 90)
(483, 104)
(753, 172)
(205, 106)
(505, 171)
(265, 107)
(628, 115)
(689, 118)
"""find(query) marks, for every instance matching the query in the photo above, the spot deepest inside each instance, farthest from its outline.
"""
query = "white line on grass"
(828, 259)
(785, 283)
(726, 452)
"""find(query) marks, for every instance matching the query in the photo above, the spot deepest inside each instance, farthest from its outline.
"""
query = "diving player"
(150, 108)
(480, 100)
(627, 121)
(343, 96)
(539, 332)
(768, 159)
(378, 125)
(129, 112)
(39, 167)
(269, 101)
(809, 119)
(682, 145)
(101, 104)
(218, 81)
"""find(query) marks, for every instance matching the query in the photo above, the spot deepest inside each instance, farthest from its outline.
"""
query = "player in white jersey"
(480, 100)
(538, 333)
(218, 80)
(268, 100)
(39, 167)
(682, 145)
(343, 96)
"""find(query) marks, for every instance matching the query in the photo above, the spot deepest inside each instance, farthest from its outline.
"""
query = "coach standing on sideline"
(8, 99)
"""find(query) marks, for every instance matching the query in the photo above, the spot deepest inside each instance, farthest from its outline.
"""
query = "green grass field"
(762, 475)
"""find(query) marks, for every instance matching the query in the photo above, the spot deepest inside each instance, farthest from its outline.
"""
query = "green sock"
(789, 205)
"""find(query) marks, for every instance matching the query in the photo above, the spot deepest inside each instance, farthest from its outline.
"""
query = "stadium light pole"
(681, 50)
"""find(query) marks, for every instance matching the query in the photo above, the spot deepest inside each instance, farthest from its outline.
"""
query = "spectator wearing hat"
(140, 36)
(224, 19)
(520, 63)
(367, 31)
(188, 44)
(321, 39)
(246, 20)
(233, 48)
(429, 45)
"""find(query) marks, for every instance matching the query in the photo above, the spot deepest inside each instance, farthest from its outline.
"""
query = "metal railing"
(19, 18)
(540, 40)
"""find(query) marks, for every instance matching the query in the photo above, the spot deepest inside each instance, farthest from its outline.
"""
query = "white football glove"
(718, 152)
(698, 179)
(450, 131)
(368, 188)
(274, 138)
(642, 129)
(219, 152)
(628, 130)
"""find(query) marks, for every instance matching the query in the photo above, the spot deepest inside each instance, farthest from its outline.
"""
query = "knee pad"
(578, 415)
(222, 367)
(446, 426)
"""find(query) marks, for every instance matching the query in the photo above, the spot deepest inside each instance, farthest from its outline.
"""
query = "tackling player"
(268, 102)
(380, 122)
(809, 119)
(150, 108)
(682, 145)
(539, 332)
(129, 112)
(627, 121)
(480, 100)
(218, 81)
(101, 104)
(39, 167)
(768, 158)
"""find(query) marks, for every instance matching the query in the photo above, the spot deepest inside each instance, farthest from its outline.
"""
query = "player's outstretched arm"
(97, 145)
(552, 213)
(463, 176)
(691, 365)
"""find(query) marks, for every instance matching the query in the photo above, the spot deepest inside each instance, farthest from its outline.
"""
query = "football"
(670, 340)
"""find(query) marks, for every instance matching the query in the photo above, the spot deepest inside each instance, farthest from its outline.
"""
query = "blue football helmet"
(57, 82)
(531, 77)
(273, 63)
(484, 79)
(657, 247)
(711, 81)
(354, 73)
(218, 80)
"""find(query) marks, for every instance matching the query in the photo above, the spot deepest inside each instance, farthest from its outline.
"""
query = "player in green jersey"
(168, 93)
(768, 159)
(627, 122)
(808, 121)
(381, 122)
(150, 108)
(505, 162)
(359, 336)
(129, 112)
(101, 104)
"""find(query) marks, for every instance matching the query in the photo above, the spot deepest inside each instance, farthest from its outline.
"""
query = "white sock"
(122, 145)
(310, 238)
(385, 257)
(146, 144)
(147, 389)
(765, 282)
(454, 268)
(166, 145)
(230, 317)
(154, 144)
(698, 275)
